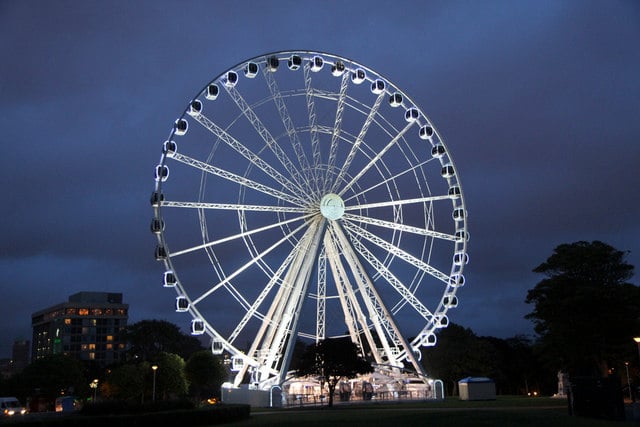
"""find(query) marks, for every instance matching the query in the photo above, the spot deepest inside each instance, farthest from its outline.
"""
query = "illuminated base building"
(89, 327)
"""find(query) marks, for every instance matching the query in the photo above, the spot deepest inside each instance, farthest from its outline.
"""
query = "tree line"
(585, 313)
(584, 310)
(183, 368)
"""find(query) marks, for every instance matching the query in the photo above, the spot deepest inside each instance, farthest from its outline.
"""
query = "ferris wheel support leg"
(377, 310)
(350, 307)
(302, 283)
(371, 300)
(321, 303)
(265, 333)
(277, 336)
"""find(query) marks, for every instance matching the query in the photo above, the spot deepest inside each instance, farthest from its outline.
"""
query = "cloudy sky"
(539, 102)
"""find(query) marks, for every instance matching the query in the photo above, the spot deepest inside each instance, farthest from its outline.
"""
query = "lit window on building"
(67, 321)
(83, 311)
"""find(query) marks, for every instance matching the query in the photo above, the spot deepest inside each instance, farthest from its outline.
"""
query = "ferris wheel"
(303, 196)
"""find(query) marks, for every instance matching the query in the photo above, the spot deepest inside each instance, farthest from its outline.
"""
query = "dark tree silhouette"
(205, 373)
(126, 382)
(459, 353)
(52, 375)
(331, 361)
(585, 312)
(149, 338)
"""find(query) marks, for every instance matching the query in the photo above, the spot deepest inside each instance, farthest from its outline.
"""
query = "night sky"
(538, 101)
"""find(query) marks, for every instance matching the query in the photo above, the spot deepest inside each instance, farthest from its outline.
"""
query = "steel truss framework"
(302, 196)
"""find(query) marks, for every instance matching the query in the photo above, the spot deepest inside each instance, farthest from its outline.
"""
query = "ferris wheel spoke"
(400, 227)
(233, 207)
(375, 159)
(247, 153)
(238, 236)
(388, 180)
(271, 142)
(238, 296)
(356, 232)
(400, 202)
(287, 121)
(253, 309)
(313, 124)
(337, 127)
(240, 180)
(248, 264)
(356, 144)
(384, 272)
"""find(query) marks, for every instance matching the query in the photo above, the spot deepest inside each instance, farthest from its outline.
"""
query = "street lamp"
(94, 386)
(153, 396)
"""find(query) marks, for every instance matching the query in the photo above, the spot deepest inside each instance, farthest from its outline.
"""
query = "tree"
(459, 354)
(126, 382)
(517, 369)
(53, 375)
(171, 380)
(332, 360)
(205, 374)
(148, 338)
(299, 348)
(585, 312)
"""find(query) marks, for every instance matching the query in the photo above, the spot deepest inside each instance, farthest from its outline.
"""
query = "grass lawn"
(505, 411)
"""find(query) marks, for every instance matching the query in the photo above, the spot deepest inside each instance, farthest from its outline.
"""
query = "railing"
(384, 395)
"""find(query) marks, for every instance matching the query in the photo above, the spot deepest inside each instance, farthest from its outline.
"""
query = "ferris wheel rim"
(357, 233)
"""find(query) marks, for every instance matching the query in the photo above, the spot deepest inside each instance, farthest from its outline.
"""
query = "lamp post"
(153, 396)
(626, 365)
(94, 386)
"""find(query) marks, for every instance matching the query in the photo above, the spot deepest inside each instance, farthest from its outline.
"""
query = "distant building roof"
(98, 297)
(476, 380)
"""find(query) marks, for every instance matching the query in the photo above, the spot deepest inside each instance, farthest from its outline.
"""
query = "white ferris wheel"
(303, 196)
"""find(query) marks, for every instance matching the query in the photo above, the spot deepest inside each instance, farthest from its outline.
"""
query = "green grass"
(505, 411)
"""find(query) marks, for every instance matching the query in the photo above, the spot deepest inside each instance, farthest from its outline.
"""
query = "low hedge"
(217, 414)
(114, 407)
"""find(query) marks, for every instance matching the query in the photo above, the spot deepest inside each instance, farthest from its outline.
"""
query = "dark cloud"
(538, 102)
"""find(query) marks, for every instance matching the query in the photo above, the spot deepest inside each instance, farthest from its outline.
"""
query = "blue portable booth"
(477, 388)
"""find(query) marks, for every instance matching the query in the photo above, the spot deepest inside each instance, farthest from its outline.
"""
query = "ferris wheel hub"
(332, 206)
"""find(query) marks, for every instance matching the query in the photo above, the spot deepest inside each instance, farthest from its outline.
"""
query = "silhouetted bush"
(113, 407)
(211, 415)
